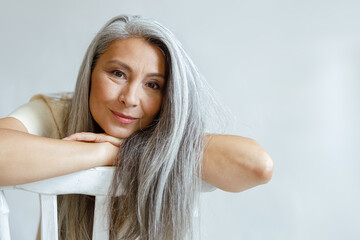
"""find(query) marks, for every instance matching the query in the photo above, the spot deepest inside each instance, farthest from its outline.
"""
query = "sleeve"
(36, 117)
(207, 187)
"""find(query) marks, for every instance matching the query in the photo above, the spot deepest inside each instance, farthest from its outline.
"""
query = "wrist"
(106, 155)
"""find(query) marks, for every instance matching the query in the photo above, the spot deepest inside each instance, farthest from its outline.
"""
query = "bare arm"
(27, 158)
(231, 163)
(234, 163)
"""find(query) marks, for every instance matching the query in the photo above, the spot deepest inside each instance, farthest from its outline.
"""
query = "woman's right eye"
(118, 73)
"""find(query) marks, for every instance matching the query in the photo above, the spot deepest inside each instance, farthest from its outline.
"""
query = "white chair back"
(94, 182)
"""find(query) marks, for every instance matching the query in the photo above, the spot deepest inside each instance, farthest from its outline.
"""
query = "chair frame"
(95, 182)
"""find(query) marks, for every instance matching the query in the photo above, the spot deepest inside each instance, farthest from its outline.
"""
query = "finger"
(113, 140)
(94, 137)
(107, 138)
(83, 136)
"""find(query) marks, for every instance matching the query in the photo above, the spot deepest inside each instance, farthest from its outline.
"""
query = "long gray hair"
(158, 168)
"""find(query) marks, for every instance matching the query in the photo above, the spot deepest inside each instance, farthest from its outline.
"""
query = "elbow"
(261, 173)
(264, 170)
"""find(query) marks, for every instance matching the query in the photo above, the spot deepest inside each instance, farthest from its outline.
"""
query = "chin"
(121, 134)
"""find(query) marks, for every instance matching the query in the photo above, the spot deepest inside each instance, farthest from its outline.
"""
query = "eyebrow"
(127, 67)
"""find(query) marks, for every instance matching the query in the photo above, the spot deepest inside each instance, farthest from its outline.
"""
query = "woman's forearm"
(26, 158)
(234, 163)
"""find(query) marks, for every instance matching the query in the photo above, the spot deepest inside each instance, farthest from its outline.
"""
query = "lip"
(123, 118)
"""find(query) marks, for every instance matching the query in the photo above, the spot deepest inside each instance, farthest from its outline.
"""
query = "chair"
(94, 181)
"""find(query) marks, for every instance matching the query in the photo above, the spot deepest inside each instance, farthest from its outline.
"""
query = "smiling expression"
(127, 86)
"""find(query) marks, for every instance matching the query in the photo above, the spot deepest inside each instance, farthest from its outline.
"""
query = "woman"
(141, 105)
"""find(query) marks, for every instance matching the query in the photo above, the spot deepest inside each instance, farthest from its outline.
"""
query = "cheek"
(93, 103)
(100, 91)
(153, 106)
(96, 99)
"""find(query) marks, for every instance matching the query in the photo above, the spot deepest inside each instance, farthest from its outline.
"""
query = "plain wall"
(288, 70)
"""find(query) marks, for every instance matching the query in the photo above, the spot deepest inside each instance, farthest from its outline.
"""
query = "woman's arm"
(26, 158)
(234, 163)
(231, 163)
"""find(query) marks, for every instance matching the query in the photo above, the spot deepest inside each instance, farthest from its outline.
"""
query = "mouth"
(123, 118)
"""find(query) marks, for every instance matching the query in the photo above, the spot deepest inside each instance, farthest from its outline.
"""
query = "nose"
(129, 95)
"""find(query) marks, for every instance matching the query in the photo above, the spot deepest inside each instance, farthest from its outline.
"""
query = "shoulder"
(55, 100)
(44, 115)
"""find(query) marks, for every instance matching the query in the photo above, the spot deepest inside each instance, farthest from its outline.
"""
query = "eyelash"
(157, 86)
(117, 72)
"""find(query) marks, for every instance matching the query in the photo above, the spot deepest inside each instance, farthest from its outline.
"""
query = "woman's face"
(127, 86)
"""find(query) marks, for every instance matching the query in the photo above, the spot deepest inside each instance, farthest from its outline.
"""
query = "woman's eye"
(118, 73)
(153, 85)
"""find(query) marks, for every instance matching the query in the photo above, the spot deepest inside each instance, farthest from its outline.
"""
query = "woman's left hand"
(94, 137)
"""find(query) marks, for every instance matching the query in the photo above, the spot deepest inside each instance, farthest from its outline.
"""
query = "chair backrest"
(95, 182)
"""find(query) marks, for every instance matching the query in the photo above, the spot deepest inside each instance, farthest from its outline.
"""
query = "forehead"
(136, 52)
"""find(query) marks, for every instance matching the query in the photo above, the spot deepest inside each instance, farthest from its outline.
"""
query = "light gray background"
(288, 70)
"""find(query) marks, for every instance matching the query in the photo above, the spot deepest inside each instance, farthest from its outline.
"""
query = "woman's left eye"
(153, 85)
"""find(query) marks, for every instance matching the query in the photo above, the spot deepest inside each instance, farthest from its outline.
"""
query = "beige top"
(44, 115)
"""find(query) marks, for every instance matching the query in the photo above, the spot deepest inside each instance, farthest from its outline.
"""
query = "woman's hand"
(109, 145)
(94, 137)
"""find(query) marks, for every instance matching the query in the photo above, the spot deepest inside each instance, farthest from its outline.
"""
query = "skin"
(27, 158)
(129, 79)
